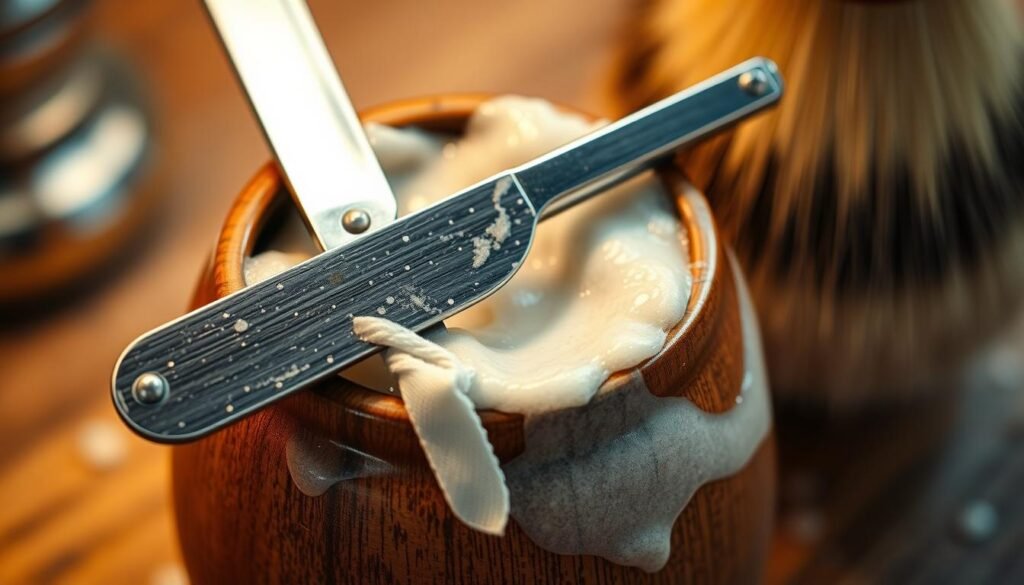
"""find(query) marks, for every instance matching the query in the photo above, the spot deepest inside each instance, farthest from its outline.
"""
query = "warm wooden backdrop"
(64, 520)
(865, 501)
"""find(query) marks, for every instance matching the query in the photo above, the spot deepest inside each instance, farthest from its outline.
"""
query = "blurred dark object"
(36, 37)
(880, 214)
(926, 493)
(75, 150)
(879, 211)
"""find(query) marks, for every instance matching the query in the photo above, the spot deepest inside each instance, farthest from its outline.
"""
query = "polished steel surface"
(308, 119)
(149, 388)
(17, 13)
(416, 272)
(640, 140)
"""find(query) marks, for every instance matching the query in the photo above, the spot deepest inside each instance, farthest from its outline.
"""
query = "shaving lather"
(243, 352)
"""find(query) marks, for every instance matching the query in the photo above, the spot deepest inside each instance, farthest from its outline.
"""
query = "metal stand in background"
(75, 150)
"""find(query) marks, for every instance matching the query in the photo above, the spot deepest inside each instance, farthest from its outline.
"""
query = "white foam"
(434, 385)
(602, 284)
(611, 477)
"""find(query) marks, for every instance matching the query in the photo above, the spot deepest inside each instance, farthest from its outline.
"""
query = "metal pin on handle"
(181, 381)
(307, 117)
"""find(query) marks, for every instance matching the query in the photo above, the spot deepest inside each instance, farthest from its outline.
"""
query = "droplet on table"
(977, 521)
(102, 445)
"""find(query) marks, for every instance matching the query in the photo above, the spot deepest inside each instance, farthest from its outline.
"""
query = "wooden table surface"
(86, 502)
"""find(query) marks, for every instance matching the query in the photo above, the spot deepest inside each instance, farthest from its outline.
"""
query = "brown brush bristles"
(879, 211)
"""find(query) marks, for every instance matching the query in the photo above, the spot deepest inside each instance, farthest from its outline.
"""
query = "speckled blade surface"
(241, 353)
(246, 350)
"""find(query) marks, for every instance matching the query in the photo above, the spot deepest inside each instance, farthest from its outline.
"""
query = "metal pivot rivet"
(355, 221)
(150, 388)
(754, 82)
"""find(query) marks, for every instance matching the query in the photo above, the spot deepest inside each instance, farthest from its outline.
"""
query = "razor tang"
(301, 104)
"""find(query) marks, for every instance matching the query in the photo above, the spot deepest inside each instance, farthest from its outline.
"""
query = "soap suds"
(270, 263)
(417, 299)
(452, 236)
(481, 251)
(603, 283)
(496, 233)
(637, 459)
(279, 380)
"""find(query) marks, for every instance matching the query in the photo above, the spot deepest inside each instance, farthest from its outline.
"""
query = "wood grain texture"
(910, 480)
(241, 518)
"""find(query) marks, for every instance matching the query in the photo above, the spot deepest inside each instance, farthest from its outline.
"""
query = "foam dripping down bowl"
(381, 516)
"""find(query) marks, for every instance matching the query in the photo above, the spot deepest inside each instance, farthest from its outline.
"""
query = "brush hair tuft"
(879, 211)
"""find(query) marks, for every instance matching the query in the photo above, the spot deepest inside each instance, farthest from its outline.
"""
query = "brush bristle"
(879, 210)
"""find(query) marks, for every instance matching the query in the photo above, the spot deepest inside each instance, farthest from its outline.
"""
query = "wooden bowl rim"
(258, 199)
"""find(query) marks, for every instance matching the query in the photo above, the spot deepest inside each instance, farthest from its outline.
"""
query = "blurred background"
(134, 105)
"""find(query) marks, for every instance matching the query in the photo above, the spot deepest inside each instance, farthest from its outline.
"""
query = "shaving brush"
(879, 211)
